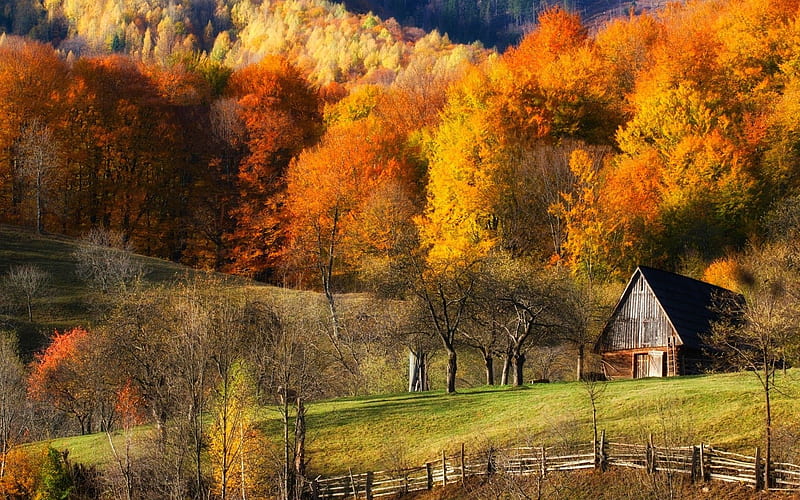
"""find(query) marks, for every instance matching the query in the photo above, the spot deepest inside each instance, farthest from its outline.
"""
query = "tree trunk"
(767, 426)
(451, 369)
(300, 448)
(581, 355)
(488, 363)
(417, 371)
(519, 363)
(288, 470)
(506, 369)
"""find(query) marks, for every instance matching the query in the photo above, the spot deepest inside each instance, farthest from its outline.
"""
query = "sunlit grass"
(723, 410)
(385, 431)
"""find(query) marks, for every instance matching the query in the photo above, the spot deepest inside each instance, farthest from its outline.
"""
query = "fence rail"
(700, 463)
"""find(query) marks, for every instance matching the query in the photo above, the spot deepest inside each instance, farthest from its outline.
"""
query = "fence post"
(703, 476)
(600, 454)
(543, 462)
(315, 488)
(444, 469)
(695, 465)
(490, 468)
(649, 455)
(759, 477)
(429, 472)
(368, 486)
(462, 464)
(353, 484)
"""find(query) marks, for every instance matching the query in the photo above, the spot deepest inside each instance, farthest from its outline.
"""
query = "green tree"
(55, 481)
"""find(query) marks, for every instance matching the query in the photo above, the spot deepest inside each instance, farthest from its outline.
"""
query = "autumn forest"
(303, 146)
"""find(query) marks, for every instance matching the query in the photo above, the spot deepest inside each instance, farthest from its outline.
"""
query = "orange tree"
(281, 116)
(64, 374)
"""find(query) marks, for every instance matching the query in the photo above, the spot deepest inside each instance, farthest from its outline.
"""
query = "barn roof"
(687, 302)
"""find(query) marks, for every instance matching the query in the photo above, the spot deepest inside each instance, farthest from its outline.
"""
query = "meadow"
(401, 430)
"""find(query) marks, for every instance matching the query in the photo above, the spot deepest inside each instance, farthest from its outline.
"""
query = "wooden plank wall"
(639, 322)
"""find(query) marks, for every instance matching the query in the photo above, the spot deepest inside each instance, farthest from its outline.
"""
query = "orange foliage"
(31, 88)
(726, 273)
(558, 32)
(20, 478)
(340, 196)
(130, 405)
(61, 375)
(124, 153)
(281, 115)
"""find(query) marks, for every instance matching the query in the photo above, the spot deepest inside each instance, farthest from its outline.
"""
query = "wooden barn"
(657, 328)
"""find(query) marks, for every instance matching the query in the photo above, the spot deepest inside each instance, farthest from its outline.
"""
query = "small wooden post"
(444, 469)
(759, 477)
(543, 462)
(600, 459)
(368, 486)
(695, 454)
(315, 488)
(703, 475)
(462, 464)
(429, 472)
(650, 455)
(353, 484)
(490, 462)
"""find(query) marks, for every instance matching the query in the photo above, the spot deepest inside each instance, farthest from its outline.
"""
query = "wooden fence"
(700, 463)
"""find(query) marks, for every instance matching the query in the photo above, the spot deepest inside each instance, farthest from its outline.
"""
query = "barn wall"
(620, 364)
(639, 322)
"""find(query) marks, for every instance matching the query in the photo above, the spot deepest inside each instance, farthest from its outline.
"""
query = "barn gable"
(660, 318)
(638, 320)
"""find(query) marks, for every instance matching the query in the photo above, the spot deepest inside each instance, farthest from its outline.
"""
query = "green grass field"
(379, 432)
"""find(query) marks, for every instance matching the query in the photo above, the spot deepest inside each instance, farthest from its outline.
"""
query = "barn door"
(641, 365)
(656, 364)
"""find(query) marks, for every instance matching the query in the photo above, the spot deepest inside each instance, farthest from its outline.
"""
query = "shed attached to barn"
(657, 328)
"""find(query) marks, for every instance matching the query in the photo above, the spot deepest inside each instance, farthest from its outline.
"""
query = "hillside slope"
(67, 301)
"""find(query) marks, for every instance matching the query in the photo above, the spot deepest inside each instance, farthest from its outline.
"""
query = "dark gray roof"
(690, 305)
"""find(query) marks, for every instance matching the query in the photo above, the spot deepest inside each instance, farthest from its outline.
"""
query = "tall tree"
(281, 115)
(333, 193)
(37, 153)
(12, 398)
(32, 80)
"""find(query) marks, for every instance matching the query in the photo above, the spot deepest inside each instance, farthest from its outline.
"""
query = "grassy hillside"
(408, 429)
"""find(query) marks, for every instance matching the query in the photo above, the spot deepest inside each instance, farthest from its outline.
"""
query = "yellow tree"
(235, 442)
(586, 246)
(465, 158)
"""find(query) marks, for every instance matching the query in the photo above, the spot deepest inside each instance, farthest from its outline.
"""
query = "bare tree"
(106, 260)
(486, 330)
(530, 308)
(26, 283)
(594, 387)
(759, 328)
(290, 368)
(446, 294)
(38, 160)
